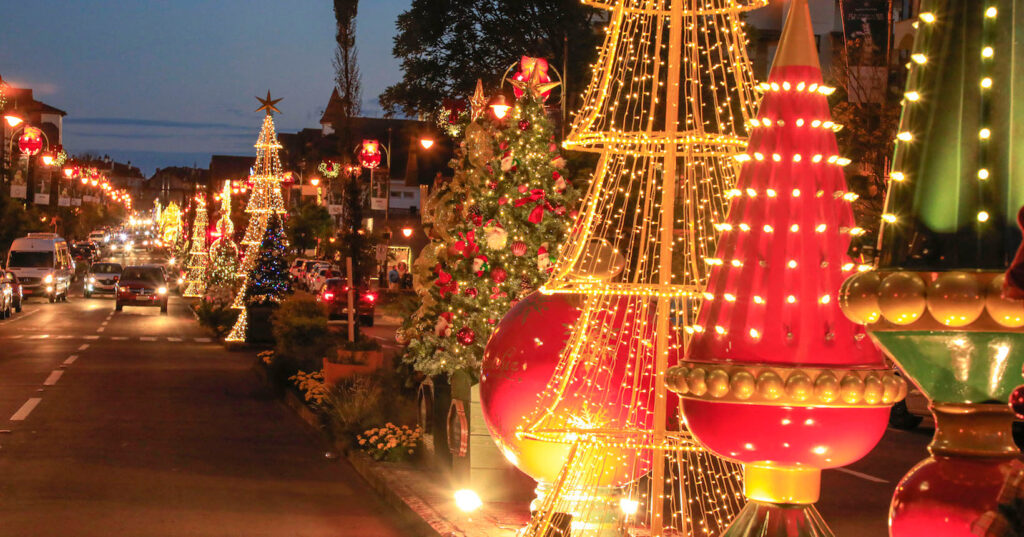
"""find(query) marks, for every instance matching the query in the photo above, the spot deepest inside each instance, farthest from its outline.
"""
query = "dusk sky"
(170, 83)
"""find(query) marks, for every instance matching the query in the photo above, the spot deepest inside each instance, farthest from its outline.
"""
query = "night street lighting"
(13, 120)
(427, 143)
(407, 232)
(499, 107)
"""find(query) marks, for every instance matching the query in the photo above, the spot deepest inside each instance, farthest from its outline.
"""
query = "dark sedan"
(335, 296)
(142, 286)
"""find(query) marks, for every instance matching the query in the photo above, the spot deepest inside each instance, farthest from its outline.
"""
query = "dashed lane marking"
(147, 339)
(203, 340)
(92, 337)
(169, 339)
(120, 338)
(40, 336)
(83, 346)
(65, 336)
(174, 339)
(70, 360)
(101, 329)
(53, 378)
(861, 475)
(26, 409)
(19, 336)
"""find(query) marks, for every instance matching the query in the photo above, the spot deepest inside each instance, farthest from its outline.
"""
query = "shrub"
(214, 310)
(358, 403)
(301, 334)
(312, 386)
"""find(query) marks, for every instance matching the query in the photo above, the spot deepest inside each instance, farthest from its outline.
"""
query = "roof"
(333, 109)
(22, 100)
(230, 167)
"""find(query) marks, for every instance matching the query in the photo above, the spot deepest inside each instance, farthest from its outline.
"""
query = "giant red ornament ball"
(31, 141)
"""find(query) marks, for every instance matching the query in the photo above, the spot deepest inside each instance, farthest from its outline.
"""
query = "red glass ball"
(524, 124)
(498, 274)
(1017, 401)
(31, 142)
(519, 362)
(786, 435)
(466, 335)
(943, 496)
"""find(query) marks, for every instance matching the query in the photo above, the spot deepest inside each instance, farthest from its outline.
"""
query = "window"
(30, 260)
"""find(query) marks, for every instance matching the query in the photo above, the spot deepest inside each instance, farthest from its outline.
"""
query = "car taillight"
(116, 278)
(328, 296)
(370, 297)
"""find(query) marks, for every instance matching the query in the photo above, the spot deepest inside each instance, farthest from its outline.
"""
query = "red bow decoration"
(533, 77)
(467, 246)
(537, 214)
(445, 282)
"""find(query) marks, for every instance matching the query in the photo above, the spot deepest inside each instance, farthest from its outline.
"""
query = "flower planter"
(351, 363)
(259, 329)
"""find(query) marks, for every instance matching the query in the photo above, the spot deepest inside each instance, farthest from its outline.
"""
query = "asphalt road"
(136, 424)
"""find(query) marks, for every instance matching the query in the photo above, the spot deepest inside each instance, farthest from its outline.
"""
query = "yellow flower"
(362, 441)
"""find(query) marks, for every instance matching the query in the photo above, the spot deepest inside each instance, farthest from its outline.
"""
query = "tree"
(346, 72)
(308, 225)
(223, 267)
(498, 226)
(268, 280)
(445, 45)
(199, 257)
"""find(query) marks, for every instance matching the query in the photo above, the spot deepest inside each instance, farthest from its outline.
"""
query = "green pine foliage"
(223, 267)
(497, 227)
(268, 279)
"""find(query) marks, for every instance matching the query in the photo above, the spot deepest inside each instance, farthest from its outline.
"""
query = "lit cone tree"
(572, 377)
(170, 224)
(198, 256)
(939, 303)
(264, 200)
(508, 213)
(223, 267)
(776, 377)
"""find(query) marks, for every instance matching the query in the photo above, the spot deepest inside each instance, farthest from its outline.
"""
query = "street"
(138, 424)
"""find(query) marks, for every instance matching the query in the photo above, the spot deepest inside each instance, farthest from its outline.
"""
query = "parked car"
(299, 272)
(311, 274)
(102, 279)
(16, 291)
(43, 264)
(320, 277)
(335, 296)
(141, 285)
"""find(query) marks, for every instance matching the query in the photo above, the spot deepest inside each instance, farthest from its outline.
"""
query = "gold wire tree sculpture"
(667, 109)
(264, 201)
(198, 256)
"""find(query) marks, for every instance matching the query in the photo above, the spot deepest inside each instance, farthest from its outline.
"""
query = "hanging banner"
(19, 188)
(42, 199)
(89, 199)
(379, 184)
(336, 210)
(866, 33)
(76, 202)
(63, 202)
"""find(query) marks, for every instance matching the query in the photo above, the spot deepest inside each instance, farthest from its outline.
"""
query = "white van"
(43, 265)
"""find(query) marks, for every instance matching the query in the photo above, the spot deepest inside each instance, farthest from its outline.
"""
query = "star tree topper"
(268, 104)
(533, 85)
(478, 102)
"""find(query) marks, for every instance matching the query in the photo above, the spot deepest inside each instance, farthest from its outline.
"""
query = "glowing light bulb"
(982, 216)
(897, 176)
(987, 52)
(905, 136)
(991, 12)
(984, 134)
(912, 96)
(928, 17)
(986, 82)
(983, 174)
(889, 217)
(919, 58)
(791, 299)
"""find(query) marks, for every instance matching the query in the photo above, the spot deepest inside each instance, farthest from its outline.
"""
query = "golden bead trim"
(786, 386)
(926, 301)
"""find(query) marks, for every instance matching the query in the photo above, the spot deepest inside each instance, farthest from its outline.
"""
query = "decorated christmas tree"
(498, 224)
(572, 382)
(771, 326)
(223, 268)
(198, 256)
(267, 283)
(264, 201)
(170, 224)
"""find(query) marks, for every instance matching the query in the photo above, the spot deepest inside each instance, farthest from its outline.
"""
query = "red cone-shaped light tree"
(776, 377)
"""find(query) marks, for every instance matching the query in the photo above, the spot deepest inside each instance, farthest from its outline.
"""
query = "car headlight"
(113, 247)
(92, 279)
(48, 278)
(181, 281)
(161, 291)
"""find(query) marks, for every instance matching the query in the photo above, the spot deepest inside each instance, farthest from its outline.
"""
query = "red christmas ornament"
(1017, 401)
(519, 361)
(772, 314)
(369, 156)
(31, 141)
(943, 497)
(471, 292)
(518, 248)
(498, 274)
(466, 335)
(524, 124)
